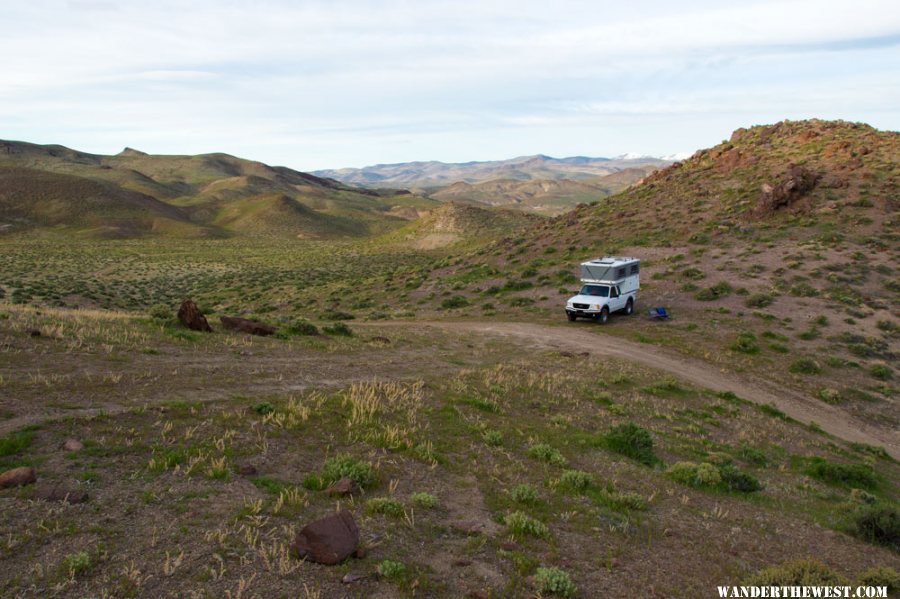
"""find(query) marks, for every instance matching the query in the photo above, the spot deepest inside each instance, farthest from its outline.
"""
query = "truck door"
(615, 299)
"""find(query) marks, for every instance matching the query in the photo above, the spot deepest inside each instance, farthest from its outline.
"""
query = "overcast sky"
(328, 84)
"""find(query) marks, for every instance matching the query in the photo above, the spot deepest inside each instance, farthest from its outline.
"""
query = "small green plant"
(524, 494)
(555, 582)
(805, 366)
(384, 505)
(717, 291)
(76, 563)
(15, 442)
(424, 500)
(546, 453)
(881, 371)
(262, 408)
(342, 466)
(521, 524)
(392, 571)
(337, 315)
(492, 438)
(735, 479)
(576, 480)
(632, 441)
(746, 344)
(759, 300)
(883, 576)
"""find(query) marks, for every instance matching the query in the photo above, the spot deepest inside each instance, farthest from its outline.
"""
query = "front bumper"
(578, 312)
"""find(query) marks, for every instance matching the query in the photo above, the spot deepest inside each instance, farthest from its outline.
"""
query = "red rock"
(73, 445)
(59, 493)
(191, 317)
(461, 563)
(247, 470)
(17, 477)
(242, 325)
(329, 540)
(340, 487)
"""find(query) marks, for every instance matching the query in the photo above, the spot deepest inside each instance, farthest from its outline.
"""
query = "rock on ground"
(17, 477)
(191, 317)
(329, 540)
(242, 325)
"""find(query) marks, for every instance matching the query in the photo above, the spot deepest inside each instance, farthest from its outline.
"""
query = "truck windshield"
(596, 290)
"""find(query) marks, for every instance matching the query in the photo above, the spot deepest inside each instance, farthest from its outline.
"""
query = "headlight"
(596, 306)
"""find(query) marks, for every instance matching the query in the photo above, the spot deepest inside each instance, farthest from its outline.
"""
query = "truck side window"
(615, 291)
(620, 273)
(635, 269)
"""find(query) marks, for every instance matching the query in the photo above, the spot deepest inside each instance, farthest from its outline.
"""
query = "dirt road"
(831, 419)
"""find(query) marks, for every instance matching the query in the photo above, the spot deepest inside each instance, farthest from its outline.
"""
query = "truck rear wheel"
(603, 316)
(629, 307)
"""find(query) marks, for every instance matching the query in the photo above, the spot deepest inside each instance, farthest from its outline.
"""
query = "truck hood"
(589, 299)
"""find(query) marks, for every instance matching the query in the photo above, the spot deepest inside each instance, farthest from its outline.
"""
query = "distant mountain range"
(428, 176)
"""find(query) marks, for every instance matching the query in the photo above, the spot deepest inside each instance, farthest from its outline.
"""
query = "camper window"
(620, 273)
(635, 268)
(595, 290)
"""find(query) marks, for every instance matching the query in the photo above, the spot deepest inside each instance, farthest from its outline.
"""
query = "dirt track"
(831, 419)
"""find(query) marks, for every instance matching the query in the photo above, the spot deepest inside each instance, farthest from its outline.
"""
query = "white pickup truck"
(609, 284)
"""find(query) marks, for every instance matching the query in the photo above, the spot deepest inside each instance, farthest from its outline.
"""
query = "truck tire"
(571, 317)
(629, 307)
(603, 316)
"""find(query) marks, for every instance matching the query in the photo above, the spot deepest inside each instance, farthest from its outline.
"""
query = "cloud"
(316, 84)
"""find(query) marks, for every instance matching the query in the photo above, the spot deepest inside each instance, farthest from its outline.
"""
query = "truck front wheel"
(603, 316)
(571, 317)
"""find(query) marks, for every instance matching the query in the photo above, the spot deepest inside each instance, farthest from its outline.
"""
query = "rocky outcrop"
(191, 317)
(61, 493)
(329, 540)
(796, 183)
(243, 325)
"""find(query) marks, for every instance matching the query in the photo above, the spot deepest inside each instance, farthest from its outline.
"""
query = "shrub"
(337, 315)
(338, 329)
(384, 505)
(746, 343)
(555, 582)
(805, 366)
(632, 441)
(521, 301)
(752, 455)
(717, 291)
(76, 563)
(15, 442)
(302, 327)
(546, 453)
(576, 480)
(878, 523)
(457, 301)
(392, 570)
(759, 300)
(524, 494)
(346, 466)
(424, 500)
(263, 408)
(858, 475)
(693, 273)
(883, 576)
(521, 524)
(735, 479)
(801, 572)
(493, 438)
(160, 312)
(695, 475)
(881, 371)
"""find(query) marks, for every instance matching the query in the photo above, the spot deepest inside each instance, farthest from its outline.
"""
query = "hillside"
(125, 194)
(543, 196)
(425, 175)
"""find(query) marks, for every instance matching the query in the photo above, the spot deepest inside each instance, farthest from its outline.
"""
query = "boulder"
(340, 487)
(191, 317)
(17, 477)
(60, 493)
(73, 445)
(797, 182)
(242, 325)
(329, 540)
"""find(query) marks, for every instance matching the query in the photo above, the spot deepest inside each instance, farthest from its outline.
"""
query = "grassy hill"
(195, 195)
